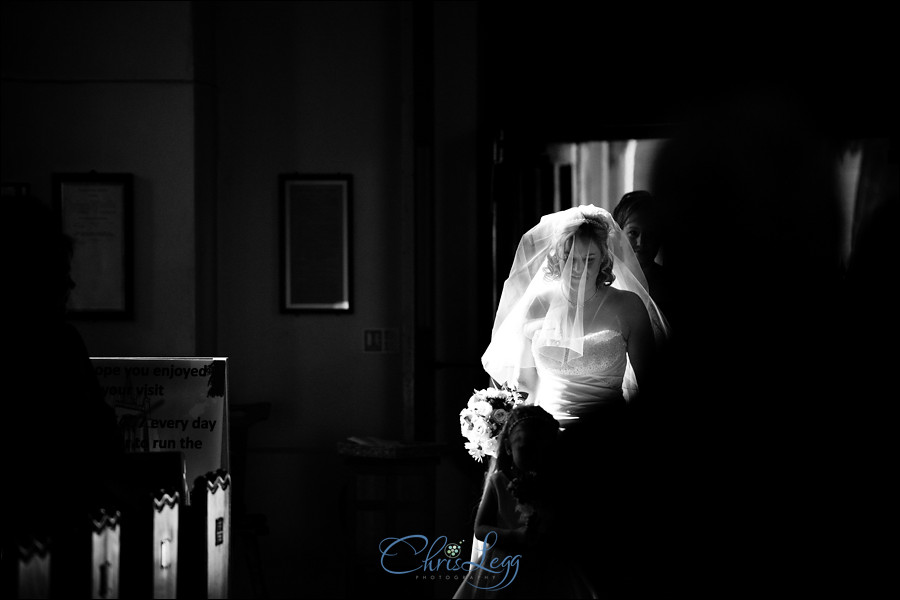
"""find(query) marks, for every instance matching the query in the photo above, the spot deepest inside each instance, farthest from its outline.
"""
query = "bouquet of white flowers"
(484, 416)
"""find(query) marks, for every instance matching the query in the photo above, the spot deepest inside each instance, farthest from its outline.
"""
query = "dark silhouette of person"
(642, 219)
(861, 448)
(739, 446)
(61, 442)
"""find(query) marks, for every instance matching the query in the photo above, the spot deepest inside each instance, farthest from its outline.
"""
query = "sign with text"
(170, 404)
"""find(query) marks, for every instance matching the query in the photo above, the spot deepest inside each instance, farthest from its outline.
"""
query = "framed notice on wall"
(315, 242)
(95, 211)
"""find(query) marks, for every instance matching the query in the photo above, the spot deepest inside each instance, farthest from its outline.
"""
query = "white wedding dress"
(573, 388)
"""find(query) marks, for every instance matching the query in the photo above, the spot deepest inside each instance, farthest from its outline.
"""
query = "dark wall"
(111, 87)
(566, 72)
(207, 103)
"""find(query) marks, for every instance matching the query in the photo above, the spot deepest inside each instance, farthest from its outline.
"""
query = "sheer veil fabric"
(540, 314)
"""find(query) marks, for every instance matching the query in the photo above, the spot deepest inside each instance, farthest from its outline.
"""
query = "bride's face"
(582, 253)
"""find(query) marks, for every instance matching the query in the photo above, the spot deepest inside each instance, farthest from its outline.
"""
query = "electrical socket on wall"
(384, 341)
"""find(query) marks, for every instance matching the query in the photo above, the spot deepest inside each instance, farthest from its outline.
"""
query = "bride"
(576, 327)
(577, 330)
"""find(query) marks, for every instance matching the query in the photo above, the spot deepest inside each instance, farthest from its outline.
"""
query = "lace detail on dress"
(604, 356)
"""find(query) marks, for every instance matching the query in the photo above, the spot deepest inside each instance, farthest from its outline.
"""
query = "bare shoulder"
(627, 302)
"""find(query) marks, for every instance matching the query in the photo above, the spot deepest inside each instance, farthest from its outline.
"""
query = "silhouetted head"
(41, 280)
(639, 215)
(528, 437)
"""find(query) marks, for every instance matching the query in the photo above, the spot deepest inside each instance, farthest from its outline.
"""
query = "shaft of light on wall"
(628, 166)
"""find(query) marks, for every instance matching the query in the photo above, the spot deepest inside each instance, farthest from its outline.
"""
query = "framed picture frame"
(95, 211)
(316, 242)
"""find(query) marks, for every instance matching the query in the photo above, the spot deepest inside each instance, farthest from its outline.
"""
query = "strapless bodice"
(573, 386)
(604, 355)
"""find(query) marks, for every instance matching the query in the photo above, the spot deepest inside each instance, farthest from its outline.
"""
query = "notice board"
(170, 404)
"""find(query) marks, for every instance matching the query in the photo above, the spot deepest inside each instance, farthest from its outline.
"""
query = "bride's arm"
(641, 343)
(528, 382)
(528, 376)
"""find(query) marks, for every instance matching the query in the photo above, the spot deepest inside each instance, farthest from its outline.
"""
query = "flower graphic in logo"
(452, 550)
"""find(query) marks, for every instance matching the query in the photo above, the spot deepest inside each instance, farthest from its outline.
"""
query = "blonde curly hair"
(593, 228)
